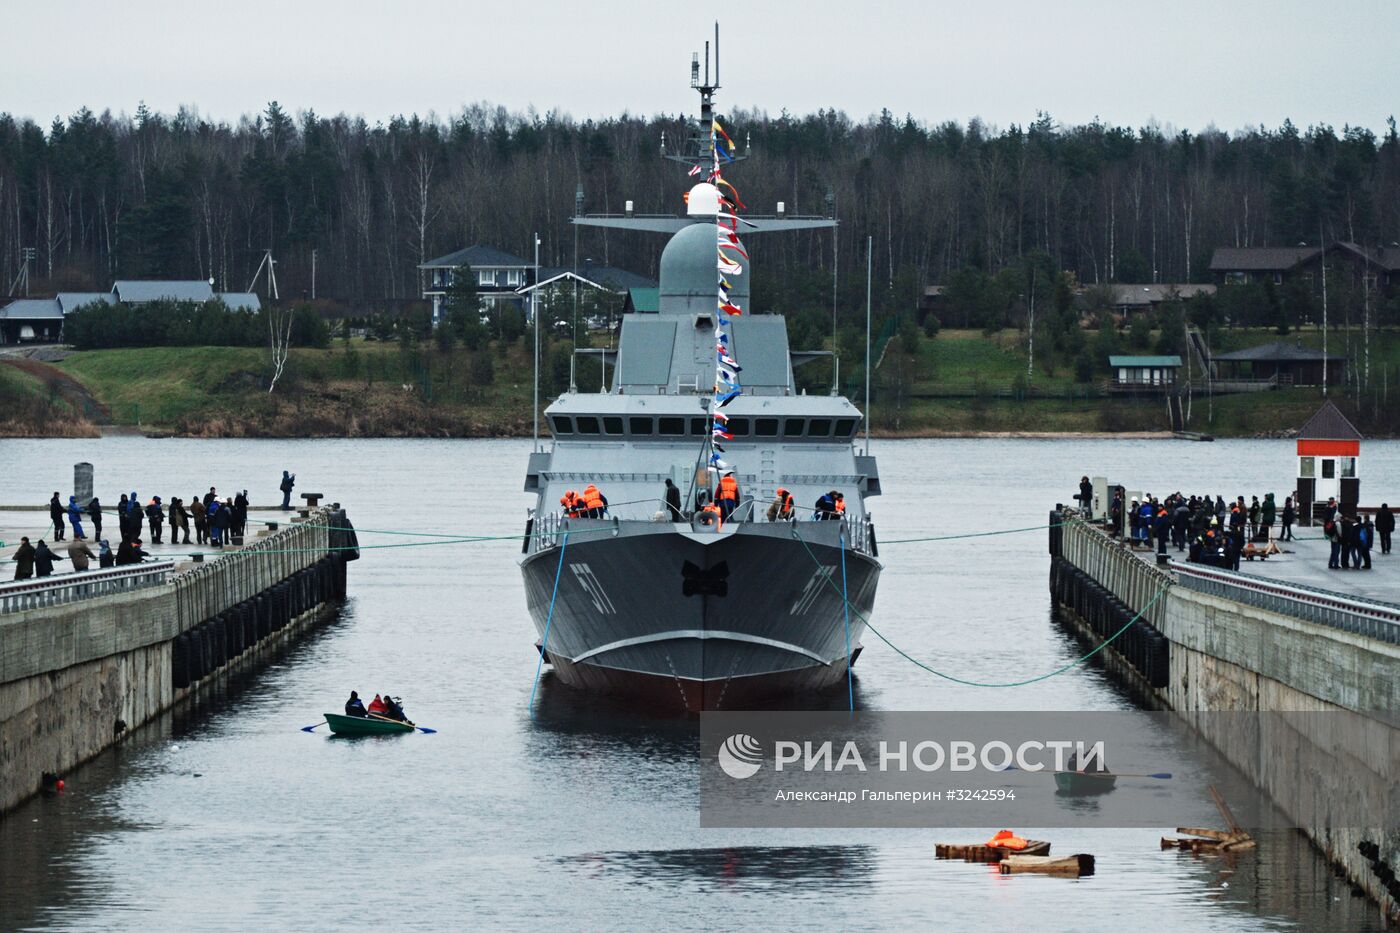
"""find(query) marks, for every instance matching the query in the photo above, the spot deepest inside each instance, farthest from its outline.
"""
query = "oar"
(403, 722)
(1160, 775)
(311, 728)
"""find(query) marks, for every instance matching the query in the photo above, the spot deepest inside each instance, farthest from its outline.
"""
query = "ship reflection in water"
(825, 868)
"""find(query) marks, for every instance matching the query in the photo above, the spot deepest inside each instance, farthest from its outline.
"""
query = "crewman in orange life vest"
(594, 502)
(711, 514)
(780, 510)
(727, 494)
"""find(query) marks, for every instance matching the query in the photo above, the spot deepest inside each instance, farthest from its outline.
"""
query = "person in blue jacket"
(215, 526)
(75, 515)
(355, 706)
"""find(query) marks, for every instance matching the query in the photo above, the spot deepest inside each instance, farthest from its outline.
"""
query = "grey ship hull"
(694, 620)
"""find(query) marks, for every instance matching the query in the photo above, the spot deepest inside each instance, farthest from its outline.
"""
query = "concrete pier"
(86, 657)
(1216, 640)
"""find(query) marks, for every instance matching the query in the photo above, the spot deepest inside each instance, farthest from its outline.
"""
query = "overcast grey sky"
(1186, 63)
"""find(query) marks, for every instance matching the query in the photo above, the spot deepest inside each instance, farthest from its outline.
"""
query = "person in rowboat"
(353, 706)
(392, 709)
(1094, 765)
(376, 706)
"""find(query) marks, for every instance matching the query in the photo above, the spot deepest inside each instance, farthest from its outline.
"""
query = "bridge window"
(845, 427)
(765, 427)
(639, 425)
(563, 425)
(672, 427)
(612, 425)
(792, 427)
(819, 427)
(697, 426)
(587, 424)
(739, 427)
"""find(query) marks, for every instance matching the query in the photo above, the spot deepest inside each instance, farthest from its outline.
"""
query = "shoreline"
(104, 431)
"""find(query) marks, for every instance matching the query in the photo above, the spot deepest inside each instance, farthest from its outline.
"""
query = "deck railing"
(547, 531)
(71, 587)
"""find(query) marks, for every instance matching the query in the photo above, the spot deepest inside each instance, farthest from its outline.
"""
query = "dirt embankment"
(59, 406)
(326, 412)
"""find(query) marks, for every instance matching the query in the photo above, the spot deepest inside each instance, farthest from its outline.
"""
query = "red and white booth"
(1329, 451)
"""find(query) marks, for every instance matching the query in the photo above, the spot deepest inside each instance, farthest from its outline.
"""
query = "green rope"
(974, 683)
(977, 534)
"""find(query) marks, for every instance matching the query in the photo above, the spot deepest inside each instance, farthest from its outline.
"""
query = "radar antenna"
(697, 150)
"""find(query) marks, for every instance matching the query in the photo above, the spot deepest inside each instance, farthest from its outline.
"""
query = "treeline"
(153, 195)
(99, 326)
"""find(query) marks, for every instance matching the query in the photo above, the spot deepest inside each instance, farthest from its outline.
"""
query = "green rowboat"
(1083, 783)
(365, 725)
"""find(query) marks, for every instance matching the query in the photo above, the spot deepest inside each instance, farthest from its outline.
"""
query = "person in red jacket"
(377, 706)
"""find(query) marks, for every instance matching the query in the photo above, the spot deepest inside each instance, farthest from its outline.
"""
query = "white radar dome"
(703, 200)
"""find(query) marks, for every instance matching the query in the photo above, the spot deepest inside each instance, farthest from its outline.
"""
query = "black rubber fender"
(179, 661)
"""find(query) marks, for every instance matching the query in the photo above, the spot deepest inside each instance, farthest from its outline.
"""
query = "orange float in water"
(1006, 839)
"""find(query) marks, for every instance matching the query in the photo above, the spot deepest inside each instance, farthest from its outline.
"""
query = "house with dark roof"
(1235, 265)
(1136, 299)
(501, 276)
(1282, 363)
(498, 275)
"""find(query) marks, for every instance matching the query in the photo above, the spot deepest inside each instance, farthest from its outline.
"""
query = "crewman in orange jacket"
(572, 503)
(711, 514)
(594, 502)
(728, 494)
(781, 508)
(840, 506)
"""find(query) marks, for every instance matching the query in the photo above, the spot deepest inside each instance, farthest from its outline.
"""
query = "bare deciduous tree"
(279, 337)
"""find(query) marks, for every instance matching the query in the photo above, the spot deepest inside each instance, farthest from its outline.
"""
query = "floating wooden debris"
(986, 853)
(1076, 866)
(1235, 839)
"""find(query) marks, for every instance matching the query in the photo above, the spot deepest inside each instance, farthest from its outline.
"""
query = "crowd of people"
(216, 522)
(1218, 533)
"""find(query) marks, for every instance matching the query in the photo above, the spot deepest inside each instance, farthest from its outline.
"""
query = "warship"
(672, 608)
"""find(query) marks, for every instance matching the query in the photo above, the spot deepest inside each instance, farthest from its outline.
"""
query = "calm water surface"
(225, 816)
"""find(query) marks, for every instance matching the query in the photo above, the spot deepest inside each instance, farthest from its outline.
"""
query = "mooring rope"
(850, 682)
(548, 622)
(974, 683)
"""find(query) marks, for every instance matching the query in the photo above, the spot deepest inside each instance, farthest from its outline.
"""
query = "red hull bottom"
(680, 694)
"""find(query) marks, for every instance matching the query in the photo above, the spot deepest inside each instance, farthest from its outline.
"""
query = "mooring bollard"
(82, 483)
